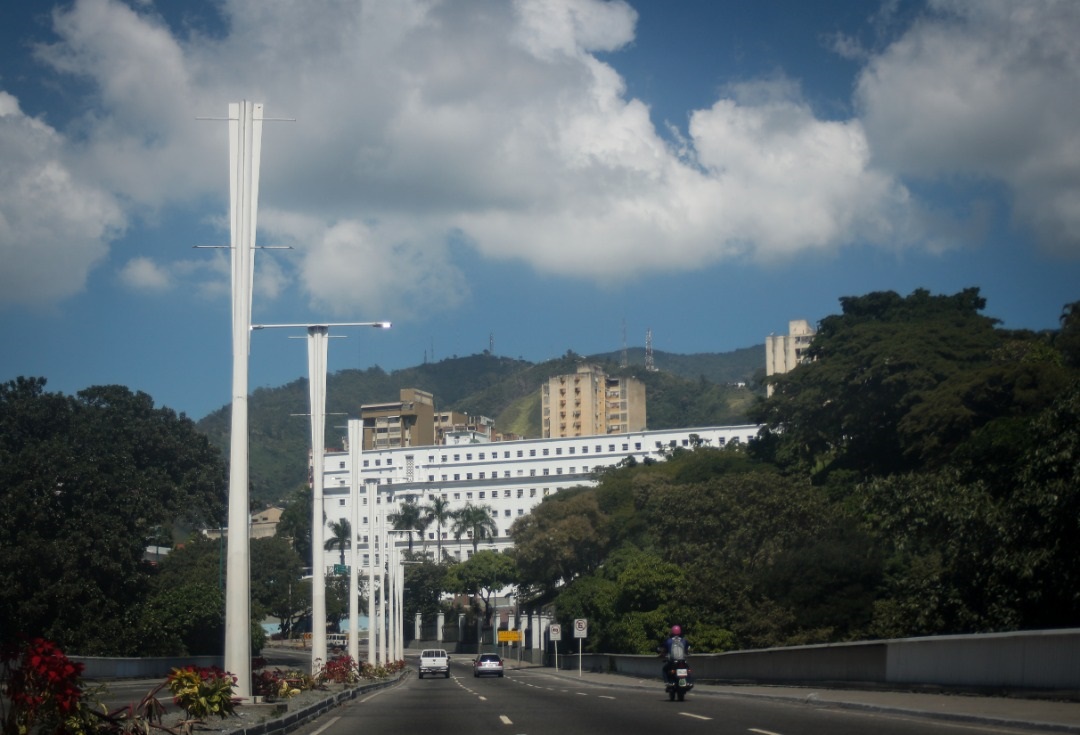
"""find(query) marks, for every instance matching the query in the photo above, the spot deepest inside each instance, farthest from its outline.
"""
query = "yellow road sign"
(510, 636)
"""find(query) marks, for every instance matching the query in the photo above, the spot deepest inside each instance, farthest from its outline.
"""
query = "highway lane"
(533, 702)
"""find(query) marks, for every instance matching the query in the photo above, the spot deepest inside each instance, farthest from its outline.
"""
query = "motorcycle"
(679, 680)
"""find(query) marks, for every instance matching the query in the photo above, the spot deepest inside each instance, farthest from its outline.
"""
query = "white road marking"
(505, 720)
(763, 732)
(696, 717)
(328, 724)
(604, 696)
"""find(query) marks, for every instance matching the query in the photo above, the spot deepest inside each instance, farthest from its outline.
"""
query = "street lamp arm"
(376, 325)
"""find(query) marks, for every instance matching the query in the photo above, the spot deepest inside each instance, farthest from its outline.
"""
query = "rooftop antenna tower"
(650, 366)
(491, 343)
(625, 359)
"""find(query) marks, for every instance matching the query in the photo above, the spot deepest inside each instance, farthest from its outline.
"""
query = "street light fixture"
(317, 347)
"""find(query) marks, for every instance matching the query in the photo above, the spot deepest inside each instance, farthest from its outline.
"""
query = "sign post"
(555, 633)
(581, 632)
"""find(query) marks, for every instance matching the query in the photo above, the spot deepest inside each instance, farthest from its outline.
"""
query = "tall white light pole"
(356, 434)
(317, 348)
(245, 148)
(372, 640)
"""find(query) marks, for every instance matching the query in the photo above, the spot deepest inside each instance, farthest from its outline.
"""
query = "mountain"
(684, 390)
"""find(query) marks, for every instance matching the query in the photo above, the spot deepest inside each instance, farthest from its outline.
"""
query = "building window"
(341, 501)
(481, 494)
(545, 451)
(457, 496)
(506, 512)
(341, 465)
(532, 473)
(519, 453)
(456, 477)
(532, 452)
(558, 450)
(431, 478)
(532, 492)
(457, 457)
(468, 457)
(365, 463)
(520, 492)
(546, 471)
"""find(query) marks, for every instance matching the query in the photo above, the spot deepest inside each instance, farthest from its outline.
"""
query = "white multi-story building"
(509, 478)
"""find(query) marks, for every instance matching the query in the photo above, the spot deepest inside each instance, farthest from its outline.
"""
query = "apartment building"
(784, 351)
(413, 421)
(589, 403)
(508, 478)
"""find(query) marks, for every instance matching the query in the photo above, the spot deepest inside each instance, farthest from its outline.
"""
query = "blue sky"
(536, 172)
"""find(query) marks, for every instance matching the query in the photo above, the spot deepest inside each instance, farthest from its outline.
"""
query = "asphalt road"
(534, 702)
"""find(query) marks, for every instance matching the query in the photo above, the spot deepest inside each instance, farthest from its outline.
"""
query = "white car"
(487, 663)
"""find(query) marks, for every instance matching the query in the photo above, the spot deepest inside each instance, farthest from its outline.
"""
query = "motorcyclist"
(675, 648)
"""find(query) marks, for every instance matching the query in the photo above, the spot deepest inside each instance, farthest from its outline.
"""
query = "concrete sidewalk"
(1029, 713)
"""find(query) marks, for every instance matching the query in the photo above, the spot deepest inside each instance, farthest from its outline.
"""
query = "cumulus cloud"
(421, 122)
(54, 224)
(143, 274)
(986, 90)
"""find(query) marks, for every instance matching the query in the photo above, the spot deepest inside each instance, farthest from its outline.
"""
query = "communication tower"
(650, 366)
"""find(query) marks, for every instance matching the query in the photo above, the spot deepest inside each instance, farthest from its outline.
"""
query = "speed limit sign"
(581, 628)
(555, 632)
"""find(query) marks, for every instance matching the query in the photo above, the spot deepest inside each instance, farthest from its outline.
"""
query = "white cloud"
(495, 123)
(53, 224)
(986, 89)
(143, 274)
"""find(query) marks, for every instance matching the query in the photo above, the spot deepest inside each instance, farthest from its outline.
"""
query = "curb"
(292, 720)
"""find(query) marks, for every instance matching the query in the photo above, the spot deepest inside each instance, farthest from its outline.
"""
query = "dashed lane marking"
(505, 720)
(696, 717)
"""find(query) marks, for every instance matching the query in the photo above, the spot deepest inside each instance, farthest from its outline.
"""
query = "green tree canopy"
(898, 383)
(86, 483)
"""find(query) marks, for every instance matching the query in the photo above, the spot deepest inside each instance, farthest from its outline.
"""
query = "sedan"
(487, 663)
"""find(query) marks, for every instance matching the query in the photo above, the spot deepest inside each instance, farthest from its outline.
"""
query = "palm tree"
(478, 520)
(342, 530)
(409, 518)
(438, 512)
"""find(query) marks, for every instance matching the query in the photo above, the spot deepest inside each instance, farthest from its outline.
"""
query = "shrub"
(203, 692)
(42, 688)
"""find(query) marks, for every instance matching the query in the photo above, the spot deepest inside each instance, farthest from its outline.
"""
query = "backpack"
(677, 649)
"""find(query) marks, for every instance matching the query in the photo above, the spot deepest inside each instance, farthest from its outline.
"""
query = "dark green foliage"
(86, 483)
(921, 477)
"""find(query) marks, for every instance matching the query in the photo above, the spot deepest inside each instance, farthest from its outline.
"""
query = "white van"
(337, 641)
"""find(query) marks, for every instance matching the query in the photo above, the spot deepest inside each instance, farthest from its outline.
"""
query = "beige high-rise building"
(409, 422)
(783, 352)
(590, 403)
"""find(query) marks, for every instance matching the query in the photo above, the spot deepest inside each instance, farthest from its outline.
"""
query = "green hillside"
(685, 390)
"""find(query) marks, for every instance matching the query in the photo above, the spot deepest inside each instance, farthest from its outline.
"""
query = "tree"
(341, 533)
(872, 367)
(85, 482)
(295, 524)
(409, 518)
(475, 521)
(439, 513)
(483, 574)
(562, 538)
(275, 583)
